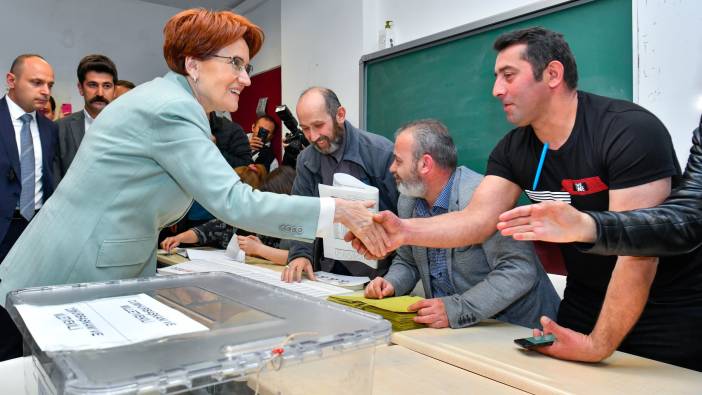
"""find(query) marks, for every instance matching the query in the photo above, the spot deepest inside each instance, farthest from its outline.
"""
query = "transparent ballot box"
(183, 333)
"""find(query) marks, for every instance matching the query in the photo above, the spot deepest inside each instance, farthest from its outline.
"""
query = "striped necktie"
(26, 203)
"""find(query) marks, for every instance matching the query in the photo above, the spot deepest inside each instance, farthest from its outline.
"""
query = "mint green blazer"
(138, 169)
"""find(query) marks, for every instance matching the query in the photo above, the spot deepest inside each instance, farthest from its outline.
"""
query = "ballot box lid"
(245, 327)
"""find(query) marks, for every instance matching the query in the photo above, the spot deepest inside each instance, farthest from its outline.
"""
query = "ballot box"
(193, 333)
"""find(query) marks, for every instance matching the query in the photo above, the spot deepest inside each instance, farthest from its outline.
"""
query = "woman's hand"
(356, 217)
(170, 243)
(251, 245)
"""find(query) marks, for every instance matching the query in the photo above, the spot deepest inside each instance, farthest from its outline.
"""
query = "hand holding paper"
(353, 199)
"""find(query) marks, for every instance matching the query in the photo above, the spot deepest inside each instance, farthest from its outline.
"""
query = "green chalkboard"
(452, 80)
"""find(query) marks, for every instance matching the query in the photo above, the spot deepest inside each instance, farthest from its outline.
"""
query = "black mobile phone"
(262, 133)
(536, 341)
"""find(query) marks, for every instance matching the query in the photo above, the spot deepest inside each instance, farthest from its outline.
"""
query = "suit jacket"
(10, 179)
(231, 141)
(71, 130)
(146, 157)
(500, 278)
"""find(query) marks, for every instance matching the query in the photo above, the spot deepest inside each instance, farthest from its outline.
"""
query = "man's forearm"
(451, 230)
(624, 302)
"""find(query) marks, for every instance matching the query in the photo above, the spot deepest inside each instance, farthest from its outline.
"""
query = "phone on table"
(263, 133)
(536, 341)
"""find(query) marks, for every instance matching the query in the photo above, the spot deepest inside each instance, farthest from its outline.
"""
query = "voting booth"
(175, 334)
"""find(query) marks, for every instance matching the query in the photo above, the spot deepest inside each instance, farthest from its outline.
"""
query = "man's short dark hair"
(431, 137)
(269, 119)
(331, 101)
(16, 67)
(542, 47)
(125, 83)
(97, 63)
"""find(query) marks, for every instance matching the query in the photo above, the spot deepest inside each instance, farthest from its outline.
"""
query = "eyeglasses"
(237, 63)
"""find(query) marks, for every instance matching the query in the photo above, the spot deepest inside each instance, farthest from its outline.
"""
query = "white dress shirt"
(88, 120)
(15, 113)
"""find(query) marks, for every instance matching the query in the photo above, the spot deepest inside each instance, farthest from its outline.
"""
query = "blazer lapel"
(78, 128)
(8, 136)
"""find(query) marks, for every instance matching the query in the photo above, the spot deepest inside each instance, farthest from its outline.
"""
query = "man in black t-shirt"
(602, 154)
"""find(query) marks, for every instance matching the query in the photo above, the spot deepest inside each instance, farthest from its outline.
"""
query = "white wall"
(63, 31)
(321, 44)
(323, 41)
(669, 75)
(413, 19)
(266, 15)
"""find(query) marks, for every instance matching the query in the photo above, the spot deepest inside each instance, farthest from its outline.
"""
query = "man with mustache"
(336, 146)
(97, 76)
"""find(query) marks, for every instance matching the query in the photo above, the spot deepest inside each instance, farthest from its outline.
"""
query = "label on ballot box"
(179, 333)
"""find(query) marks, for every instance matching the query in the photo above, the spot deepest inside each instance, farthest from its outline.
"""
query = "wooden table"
(396, 370)
(488, 349)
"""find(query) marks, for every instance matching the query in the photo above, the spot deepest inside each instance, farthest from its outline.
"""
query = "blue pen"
(541, 165)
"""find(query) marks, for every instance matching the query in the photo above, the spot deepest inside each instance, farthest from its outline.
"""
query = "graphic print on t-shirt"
(584, 186)
(546, 196)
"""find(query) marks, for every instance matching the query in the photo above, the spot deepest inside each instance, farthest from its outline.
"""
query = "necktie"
(26, 203)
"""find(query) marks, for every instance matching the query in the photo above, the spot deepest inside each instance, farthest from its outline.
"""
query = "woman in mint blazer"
(148, 156)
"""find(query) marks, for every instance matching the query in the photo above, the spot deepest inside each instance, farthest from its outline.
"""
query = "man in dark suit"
(97, 76)
(28, 145)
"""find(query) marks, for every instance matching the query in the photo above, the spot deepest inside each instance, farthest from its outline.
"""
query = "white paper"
(233, 251)
(104, 323)
(195, 254)
(339, 280)
(347, 187)
(219, 263)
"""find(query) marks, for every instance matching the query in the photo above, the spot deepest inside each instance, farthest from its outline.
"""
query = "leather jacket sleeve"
(672, 228)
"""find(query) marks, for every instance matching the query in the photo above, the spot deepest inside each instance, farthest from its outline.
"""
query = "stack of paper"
(223, 264)
(354, 283)
(392, 309)
(347, 187)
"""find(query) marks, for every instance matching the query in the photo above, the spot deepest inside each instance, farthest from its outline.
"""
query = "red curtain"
(265, 84)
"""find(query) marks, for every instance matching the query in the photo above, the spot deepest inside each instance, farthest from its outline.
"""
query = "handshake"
(372, 235)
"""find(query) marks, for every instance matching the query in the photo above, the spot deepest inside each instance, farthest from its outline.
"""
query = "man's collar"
(442, 201)
(339, 153)
(350, 147)
(88, 118)
(17, 111)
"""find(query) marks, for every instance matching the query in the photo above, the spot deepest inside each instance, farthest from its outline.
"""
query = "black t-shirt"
(614, 144)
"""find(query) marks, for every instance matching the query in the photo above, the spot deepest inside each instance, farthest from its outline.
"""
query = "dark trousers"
(10, 337)
(17, 226)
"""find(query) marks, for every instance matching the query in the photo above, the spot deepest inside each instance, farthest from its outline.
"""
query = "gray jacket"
(501, 278)
(370, 151)
(71, 130)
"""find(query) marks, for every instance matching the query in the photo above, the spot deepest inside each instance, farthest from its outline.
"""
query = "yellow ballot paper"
(393, 309)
